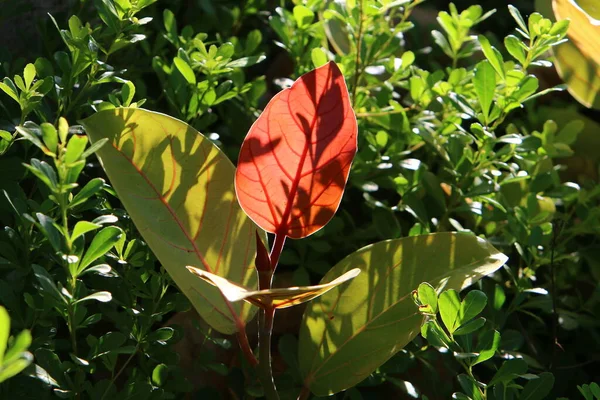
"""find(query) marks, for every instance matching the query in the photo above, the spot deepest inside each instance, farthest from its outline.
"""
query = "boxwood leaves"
(178, 189)
(353, 329)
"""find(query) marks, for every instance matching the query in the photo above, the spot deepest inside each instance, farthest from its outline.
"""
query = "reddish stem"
(267, 314)
(245, 347)
(265, 371)
(276, 250)
(304, 393)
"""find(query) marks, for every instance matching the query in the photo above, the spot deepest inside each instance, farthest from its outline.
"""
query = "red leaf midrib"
(283, 226)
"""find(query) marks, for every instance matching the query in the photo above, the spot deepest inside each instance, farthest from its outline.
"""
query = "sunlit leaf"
(350, 331)
(295, 161)
(279, 298)
(177, 186)
(579, 71)
(584, 31)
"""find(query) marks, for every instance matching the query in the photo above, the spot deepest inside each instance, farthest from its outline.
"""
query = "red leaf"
(294, 162)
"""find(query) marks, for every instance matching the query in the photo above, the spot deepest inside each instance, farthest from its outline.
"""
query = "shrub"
(463, 147)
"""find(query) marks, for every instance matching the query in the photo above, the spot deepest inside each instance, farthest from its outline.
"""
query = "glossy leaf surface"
(178, 189)
(279, 298)
(351, 330)
(295, 160)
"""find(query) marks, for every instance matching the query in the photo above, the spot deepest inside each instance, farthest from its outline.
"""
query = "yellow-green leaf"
(578, 69)
(353, 329)
(177, 186)
(584, 31)
(279, 298)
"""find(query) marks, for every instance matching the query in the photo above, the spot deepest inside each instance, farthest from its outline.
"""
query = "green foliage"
(473, 342)
(454, 135)
(14, 358)
(376, 306)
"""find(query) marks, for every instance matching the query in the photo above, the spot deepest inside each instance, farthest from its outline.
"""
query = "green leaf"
(470, 387)
(108, 14)
(486, 347)
(14, 368)
(159, 374)
(82, 227)
(595, 389)
(19, 346)
(43, 67)
(170, 25)
(473, 303)
(499, 297)
(527, 87)
(303, 16)
(343, 342)
(185, 70)
(93, 148)
(434, 335)
(161, 334)
(441, 41)
(177, 186)
(428, 296)
(449, 304)
(47, 283)
(510, 370)
(63, 130)
(44, 172)
(245, 61)
(4, 332)
(225, 51)
(538, 389)
(10, 90)
(105, 219)
(485, 86)
(90, 189)
(253, 40)
(581, 74)
(103, 297)
(515, 49)
(29, 75)
(49, 230)
(20, 83)
(318, 56)
(75, 148)
(50, 136)
(514, 11)
(50, 362)
(101, 244)
(493, 55)
(127, 93)
(470, 327)
(32, 137)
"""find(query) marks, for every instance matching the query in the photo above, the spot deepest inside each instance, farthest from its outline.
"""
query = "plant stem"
(265, 327)
(304, 393)
(265, 372)
(246, 349)
(276, 252)
(115, 377)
